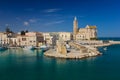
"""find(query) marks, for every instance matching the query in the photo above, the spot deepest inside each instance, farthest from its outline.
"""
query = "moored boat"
(3, 48)
(28, 47)
(44, 47)
(105, 48)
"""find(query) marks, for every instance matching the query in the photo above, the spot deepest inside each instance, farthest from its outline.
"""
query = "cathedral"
(87, 33)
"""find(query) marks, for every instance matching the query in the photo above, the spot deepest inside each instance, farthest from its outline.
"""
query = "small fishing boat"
(44, 47)
(28, 47)
(105, 48)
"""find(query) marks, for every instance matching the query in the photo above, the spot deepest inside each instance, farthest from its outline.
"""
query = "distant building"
(50, 39)
(87, 33)
(7, 38)
(3, 38)
(30, 39)
(65, 36)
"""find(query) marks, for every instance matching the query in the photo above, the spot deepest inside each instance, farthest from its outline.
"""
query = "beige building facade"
(49, 39)
(65, 36)
(3, 38)
(87, 33)
(30, 39)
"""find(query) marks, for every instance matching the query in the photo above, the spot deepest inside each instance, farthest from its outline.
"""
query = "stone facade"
(30, 39)
(61, 47)
(65, 36)
(49, 39)
(3, 38)
(87, 33)
(75, 28)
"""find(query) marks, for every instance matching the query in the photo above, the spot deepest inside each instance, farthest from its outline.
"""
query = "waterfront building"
(13, 41)
(7, 38)
(87, 33)
(3, 38)
(49, 38)
(65, 36)
(30, 39)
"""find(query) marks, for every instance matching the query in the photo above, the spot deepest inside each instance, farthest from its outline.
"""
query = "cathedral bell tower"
(75, 28)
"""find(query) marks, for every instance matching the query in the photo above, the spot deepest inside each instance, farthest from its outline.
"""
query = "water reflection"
(19, 56)
(60, 61)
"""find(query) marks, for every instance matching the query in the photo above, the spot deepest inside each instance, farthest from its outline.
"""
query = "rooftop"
(91, 27)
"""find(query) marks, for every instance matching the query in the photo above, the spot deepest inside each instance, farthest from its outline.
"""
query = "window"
(23, 39)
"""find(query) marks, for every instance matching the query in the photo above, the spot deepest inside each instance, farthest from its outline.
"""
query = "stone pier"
(61, 48)
(77, 52)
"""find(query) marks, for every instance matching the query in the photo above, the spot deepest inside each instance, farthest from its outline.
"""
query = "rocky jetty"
(72, 55)
(76, 51)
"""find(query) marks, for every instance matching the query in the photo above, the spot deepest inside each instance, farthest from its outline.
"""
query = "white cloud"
(51, 10)
(26, 23)
(6, 24)
(54, 22)
(57, 22)
(32, 20)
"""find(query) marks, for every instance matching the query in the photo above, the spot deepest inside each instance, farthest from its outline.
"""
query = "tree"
(22, 32)
(26, 31)
(8, 30)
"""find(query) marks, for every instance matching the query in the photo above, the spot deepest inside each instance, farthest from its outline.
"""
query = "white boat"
(28, 48)
(44, 47)
(68, 47)
(105, 48)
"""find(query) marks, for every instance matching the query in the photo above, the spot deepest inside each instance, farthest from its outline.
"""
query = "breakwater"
(81, 49)
(77, 51)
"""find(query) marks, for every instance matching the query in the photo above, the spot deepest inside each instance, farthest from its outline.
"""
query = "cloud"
(57, 22)
(6, 24)
(51, 10)
(54, 22)
(32, 20)
(26, 23)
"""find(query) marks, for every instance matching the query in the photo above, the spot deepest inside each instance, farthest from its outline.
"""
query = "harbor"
(19, 64)
(70, 49)
(78, 50)
(81, 43)
(59, 40)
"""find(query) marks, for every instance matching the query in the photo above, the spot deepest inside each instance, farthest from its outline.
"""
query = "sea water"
(18, 64)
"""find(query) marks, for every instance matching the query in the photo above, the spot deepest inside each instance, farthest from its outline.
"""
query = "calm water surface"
(32, 65)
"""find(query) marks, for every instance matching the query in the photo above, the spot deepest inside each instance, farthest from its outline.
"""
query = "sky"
(58, 15)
